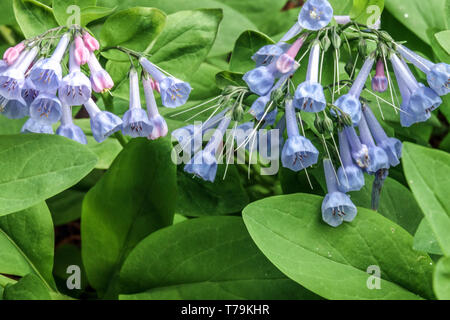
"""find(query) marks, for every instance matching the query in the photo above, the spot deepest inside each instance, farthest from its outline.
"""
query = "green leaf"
(420, 16)
(245, 47)
(68, 255)
(424, 239)
(6, 7)
(341, 7)
(27, 288)
(443, 38)
(90, 14)
(205, 258)
(333, 262)
(427, 172)
(135, 197)
(26, 244)
(227, 78)
(64, 10)
(66, 206)
(367, 11)
(135, 28)
(199, 198)
(38, 166)
(186, 41)
(33, 17)
(396, 203)
(441, 279)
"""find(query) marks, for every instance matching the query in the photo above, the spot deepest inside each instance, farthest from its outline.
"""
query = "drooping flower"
(75, 88)
(174, 92)
(12, 54)
(438, 74)
(159, 125)
(337, 206)
(12, 80)
(46, 108)
(392, 146)
(103, 123)
(349, 103)
(80, 54)
(47, 73)
(258, 108)
(29, 92)
(378, 158)
(14, 108)
(380, 81)
(422, 99)
(267, 54)
(135, 120)
(286, 63)
(351, 177)
(90, 42)
(101, 81)
(359, 151)
(33, 126)
(68, 129)
(315, 14)
(298, 152)
(309, 95)
(204, 163)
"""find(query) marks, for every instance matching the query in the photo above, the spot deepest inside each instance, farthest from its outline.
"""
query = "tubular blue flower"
(68, 129)
(267, 54)
(315, 14)
(159, 125)
(298, 152)
(103, 123)
(14, 108)
(422, 98)
(309, 95)
(337, 206)
(204, 163)
(3, 66)
(47, 73)
(75, 88)
(12, 80)
(101, 81)
(407, 117)
(174, 92)
(438, 75)
(135, 120)
(286, 63)
(46, 108)
(342, 19)
(258, 108)
(379, 82)
(351, 177)
(378, 158)
(349, 103)
(359, 151)
(29, 92)
(33, 126)
(392, 146)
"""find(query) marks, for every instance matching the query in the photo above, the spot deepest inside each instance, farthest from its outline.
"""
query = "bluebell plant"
(270, 98)
(36, 83)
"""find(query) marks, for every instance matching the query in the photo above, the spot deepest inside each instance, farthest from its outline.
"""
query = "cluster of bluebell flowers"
(340, 109)
(33, 85)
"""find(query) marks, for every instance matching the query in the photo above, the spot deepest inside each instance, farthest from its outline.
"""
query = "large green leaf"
(420, 17)
(199, 198)
(443, 38)
(205, 258)
(33, 17)
(133, 28)
(36, 167)
(424, 239)
(135, 197)
(441, 279)
(367, 11)
(428, 174)
(186, 41)
(333, 262)
(26, 244)
(245, 47)
(66, 206)
(60, 9)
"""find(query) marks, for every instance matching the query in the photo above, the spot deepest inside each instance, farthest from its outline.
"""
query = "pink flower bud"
(380, 82)
(81, 53)
(155, 85)
(90, 42)
(13, 53)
